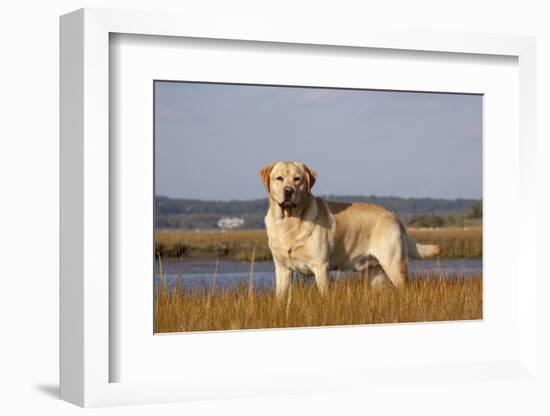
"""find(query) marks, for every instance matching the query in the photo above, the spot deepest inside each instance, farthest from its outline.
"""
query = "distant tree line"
(192, 214)
(475, 212)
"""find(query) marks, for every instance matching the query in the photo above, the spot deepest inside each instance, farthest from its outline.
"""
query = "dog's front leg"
(282, 279)
(321, 277)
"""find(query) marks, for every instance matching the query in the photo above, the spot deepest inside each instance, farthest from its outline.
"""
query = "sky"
(212, 139)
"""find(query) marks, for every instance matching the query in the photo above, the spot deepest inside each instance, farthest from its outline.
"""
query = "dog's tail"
(420, 251)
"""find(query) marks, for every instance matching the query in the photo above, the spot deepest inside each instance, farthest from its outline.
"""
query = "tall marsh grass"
(236, 245)
(239, 245)
(456, 242)
(348, 302)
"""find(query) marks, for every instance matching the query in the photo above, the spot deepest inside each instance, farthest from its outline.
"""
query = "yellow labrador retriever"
(312, 236)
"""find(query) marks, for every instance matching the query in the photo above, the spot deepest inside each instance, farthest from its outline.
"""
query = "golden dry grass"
(456, 242)
(349, 302)
(239, 245)
(236, 245)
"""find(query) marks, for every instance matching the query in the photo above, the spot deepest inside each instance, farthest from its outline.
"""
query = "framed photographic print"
(258, 212)
(223, 249)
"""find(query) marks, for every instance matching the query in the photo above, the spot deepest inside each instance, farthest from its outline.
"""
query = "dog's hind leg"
(393, 259)
(395, 268)
(390, 250)
(376, 276)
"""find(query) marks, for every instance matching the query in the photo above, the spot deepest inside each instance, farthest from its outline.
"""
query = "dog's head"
(288, 183)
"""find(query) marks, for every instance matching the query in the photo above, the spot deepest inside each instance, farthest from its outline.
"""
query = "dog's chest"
(294, 259)
(297, 260)
(290, 246)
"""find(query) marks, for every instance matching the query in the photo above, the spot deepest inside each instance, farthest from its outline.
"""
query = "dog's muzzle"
(288, 192)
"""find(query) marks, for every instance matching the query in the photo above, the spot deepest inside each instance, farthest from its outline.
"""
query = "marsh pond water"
(209, 273)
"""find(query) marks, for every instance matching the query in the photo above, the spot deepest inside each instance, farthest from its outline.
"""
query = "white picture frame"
(86, 357)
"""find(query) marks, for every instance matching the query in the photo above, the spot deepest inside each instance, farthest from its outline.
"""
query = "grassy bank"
(239, 245)
(349, 302)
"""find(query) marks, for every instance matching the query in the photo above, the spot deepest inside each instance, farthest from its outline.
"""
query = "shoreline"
(243, 245)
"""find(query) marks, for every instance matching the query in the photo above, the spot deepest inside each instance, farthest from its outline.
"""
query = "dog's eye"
(296, 178)
(279, 178)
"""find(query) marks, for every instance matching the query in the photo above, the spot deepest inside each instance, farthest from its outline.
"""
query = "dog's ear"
(311, 177)
(264, 175)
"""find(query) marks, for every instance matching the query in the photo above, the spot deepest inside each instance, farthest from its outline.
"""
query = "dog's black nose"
(288, 191)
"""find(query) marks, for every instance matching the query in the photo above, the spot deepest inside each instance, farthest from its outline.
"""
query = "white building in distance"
(229, 223)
